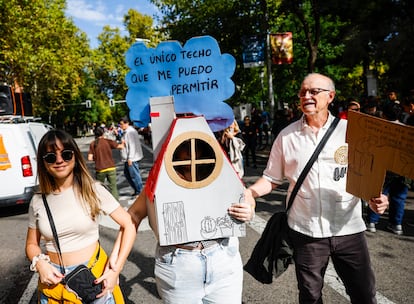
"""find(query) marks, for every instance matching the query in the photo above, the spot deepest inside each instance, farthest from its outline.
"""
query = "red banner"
(282, 48)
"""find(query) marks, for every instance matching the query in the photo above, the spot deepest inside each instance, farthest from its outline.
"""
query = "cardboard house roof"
(195, 208)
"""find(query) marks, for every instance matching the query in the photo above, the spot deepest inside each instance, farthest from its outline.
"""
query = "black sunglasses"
(51, 158)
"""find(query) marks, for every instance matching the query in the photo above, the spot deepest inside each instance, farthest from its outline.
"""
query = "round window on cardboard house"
(193, 159)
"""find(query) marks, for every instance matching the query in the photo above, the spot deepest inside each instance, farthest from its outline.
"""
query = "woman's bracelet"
(36, 259)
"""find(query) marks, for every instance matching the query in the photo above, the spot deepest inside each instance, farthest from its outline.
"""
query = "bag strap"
(311, 161)
(55, 236)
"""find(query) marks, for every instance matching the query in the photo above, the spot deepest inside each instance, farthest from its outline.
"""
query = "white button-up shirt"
(322, 207)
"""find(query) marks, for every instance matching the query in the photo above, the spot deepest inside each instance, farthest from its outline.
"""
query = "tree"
(138, 26)
(343, 39)
(46, 55)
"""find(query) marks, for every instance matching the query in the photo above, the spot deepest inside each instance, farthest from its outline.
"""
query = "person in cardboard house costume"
(193, 197)
(189, 199)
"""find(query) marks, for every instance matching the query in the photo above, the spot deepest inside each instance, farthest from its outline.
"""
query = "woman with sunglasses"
(75, 201)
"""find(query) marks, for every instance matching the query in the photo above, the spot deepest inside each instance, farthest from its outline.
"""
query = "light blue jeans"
(43, 299)
(211, 275)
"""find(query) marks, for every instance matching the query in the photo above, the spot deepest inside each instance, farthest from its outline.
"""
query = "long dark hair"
(83, 182)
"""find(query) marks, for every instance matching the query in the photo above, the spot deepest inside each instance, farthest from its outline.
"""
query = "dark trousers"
(250, 149)
(350, 258)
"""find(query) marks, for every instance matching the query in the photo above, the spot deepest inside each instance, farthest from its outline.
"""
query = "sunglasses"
(51, 157)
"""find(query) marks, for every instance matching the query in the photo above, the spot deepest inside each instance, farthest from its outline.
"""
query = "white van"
(18, 167)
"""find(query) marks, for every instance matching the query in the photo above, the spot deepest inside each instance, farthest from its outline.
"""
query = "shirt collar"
(304, 124)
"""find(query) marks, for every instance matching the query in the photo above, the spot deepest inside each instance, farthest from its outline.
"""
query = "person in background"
(371, 107)
(352, 105)
(234, 145)
(249, 134)
(281, 119)
(325, 222)
(75, 201)
(392, 97)
(256, 121)
(265, 129)
(100, 151)
(208, 271)
(131, 155)
(395, 186)
(407, 117)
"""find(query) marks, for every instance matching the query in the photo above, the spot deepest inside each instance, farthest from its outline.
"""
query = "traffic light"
(111, 102)
(88, 103)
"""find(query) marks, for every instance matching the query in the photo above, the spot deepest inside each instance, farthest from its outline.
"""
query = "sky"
(92, 15)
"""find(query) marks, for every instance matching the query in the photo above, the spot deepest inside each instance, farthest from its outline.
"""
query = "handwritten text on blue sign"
(197, 75)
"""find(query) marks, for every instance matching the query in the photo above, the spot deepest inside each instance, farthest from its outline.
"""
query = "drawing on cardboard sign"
(375, 146)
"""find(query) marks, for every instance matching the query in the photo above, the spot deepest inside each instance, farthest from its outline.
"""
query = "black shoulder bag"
(80, 281)
(273, 252)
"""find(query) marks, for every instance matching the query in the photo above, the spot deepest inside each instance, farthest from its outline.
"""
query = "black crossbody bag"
(273, 252)
(80, 281)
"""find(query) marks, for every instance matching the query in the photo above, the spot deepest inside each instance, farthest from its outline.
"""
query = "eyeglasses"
(51, 157)
(312, 92)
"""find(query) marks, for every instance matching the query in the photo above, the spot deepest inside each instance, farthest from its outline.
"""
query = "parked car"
(18, 167)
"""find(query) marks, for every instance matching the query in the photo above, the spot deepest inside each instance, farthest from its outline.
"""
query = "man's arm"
(261, 187)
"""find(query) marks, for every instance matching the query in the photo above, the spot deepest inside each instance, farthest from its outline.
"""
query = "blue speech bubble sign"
(197, 75)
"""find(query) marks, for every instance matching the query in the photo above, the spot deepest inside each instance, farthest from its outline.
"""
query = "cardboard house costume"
(190, 209)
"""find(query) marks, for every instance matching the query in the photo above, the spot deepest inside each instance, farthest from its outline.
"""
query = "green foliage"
(343, 39)
(138, 26)
(44, 52)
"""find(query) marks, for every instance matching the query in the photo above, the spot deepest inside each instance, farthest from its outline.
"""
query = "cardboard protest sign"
(197, 75)
(375, 146)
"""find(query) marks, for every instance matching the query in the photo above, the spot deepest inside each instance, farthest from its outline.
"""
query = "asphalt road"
(391, 255)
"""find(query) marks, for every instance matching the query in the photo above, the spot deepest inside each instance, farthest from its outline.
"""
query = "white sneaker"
(371, 227)
(397, 229)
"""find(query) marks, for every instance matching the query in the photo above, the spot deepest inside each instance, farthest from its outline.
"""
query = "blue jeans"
(210, 275)
(133, 176)
(43, 299)
(397, 191)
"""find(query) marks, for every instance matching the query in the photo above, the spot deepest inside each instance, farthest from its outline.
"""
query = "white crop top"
(74, 226)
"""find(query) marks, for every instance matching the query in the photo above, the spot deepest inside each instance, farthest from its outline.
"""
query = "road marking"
(30, 289)
(331, 277)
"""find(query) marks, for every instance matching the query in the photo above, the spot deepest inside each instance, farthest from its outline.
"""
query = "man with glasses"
(324, 221)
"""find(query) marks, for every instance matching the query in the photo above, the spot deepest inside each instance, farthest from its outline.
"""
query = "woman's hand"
(48, 274)
(109, 279)
(229, 134)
